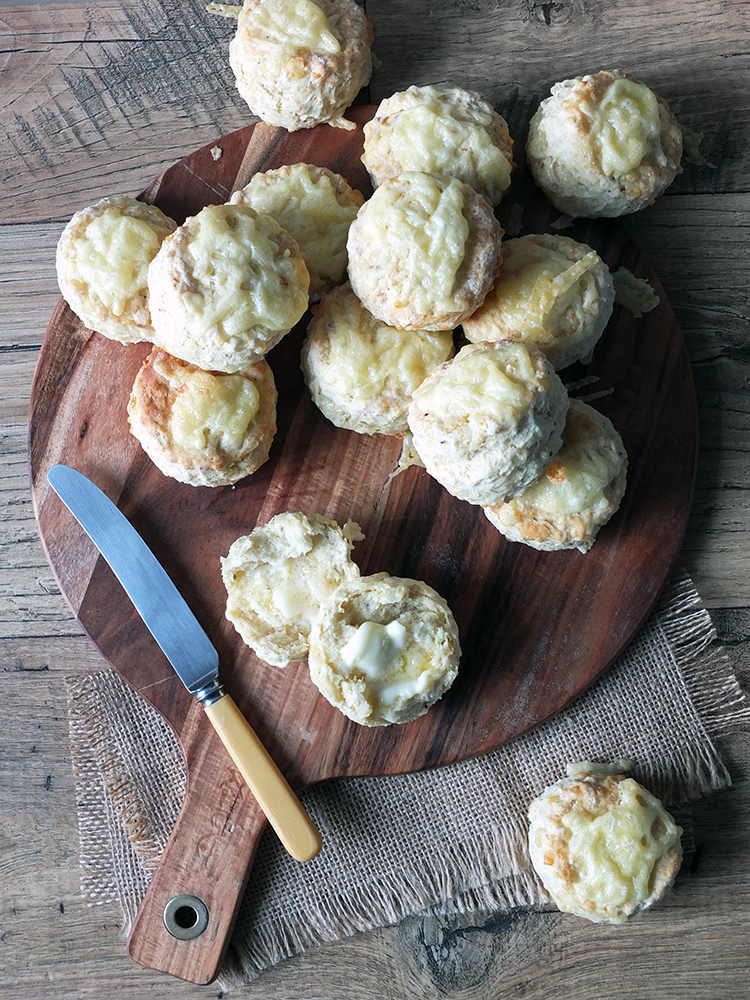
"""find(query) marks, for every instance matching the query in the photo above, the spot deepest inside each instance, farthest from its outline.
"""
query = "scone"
(423, 252)
(361, 373)
(551, 292)
(316, 207)
(487, 423)
(384, 649)
(299, 63)
(203, 428)
(278, 576)
(445, 131)
(604, 847)
(603, 145)
(578, 493)
(103, 257)
(226, 287)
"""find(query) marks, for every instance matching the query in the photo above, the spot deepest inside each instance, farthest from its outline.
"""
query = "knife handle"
(283, 809)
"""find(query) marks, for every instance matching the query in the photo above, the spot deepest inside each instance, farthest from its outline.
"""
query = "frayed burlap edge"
(487, 875)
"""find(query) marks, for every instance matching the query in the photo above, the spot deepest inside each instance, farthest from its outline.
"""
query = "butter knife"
(188, 649)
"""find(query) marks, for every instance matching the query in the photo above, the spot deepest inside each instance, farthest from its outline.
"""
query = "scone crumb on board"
(634, 294)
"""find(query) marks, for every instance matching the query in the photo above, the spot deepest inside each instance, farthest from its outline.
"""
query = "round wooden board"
(536, 628)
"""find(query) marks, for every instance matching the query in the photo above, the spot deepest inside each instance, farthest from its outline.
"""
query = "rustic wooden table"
(99, 97)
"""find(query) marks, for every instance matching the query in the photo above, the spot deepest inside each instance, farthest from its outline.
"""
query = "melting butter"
(374, 648)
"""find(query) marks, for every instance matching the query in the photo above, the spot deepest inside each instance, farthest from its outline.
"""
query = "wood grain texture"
(62, 148)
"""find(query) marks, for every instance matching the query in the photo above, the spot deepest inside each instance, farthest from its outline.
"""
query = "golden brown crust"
(316, 207)
(395, 270)
(562, 151)
(361, 373)
(578, 493)
(102, 268)
(552, 292)
(209, 451)
(604, 847)
(296, 87)
(445, 131)
(226, 287)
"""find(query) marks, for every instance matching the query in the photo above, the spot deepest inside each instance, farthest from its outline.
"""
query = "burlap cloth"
(452, 840)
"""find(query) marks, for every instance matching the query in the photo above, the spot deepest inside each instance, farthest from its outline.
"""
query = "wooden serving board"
(536, 628)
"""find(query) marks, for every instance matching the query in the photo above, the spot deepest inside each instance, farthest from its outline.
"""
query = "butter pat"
(374, 648)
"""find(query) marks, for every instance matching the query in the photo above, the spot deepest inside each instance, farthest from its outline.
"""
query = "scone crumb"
(634, 294)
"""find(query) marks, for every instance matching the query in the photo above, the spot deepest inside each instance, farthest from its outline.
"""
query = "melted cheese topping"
(491, 386)
(242, 280)
(297, 25)
(537, 285)
(626, 127)
(365, 356)
(307, 207)
(437, 138)
(614, 853)
(417, 223)
(210, 411)
(581, 471)
(113, 258)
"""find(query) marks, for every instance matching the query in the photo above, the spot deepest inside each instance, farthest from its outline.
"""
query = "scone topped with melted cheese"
(578, 493)
(278, 576)
(361, 373)
(604, 847)
(486, 423)
(423, 252)
(603, 145)
(445, 131)
(316, 207)
(301, 63)
(103, 257)
(226, 287)
(203, 428)
(552, 292)
(383, 649)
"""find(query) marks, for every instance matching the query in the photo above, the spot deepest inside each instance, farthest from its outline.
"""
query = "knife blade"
(189, 650)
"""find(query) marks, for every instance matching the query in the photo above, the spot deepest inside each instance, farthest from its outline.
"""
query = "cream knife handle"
(283, 809)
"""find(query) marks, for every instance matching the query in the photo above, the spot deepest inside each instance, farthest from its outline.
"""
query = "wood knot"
(556, 13)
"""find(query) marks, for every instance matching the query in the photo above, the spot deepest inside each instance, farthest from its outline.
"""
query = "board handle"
(282, 808)
(185, 920)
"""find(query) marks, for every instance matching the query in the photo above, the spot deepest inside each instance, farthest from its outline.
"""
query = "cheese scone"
(203, 428)
(551, 292)
(316, 207)
(486, 423)
(278, 576)
(103, 256)
(383, 649)
(226, 287)
(603, 145)
(361, 373)
(445, 131)
(300, 63)
(604, 847)
(578, 493)
(424, 251)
